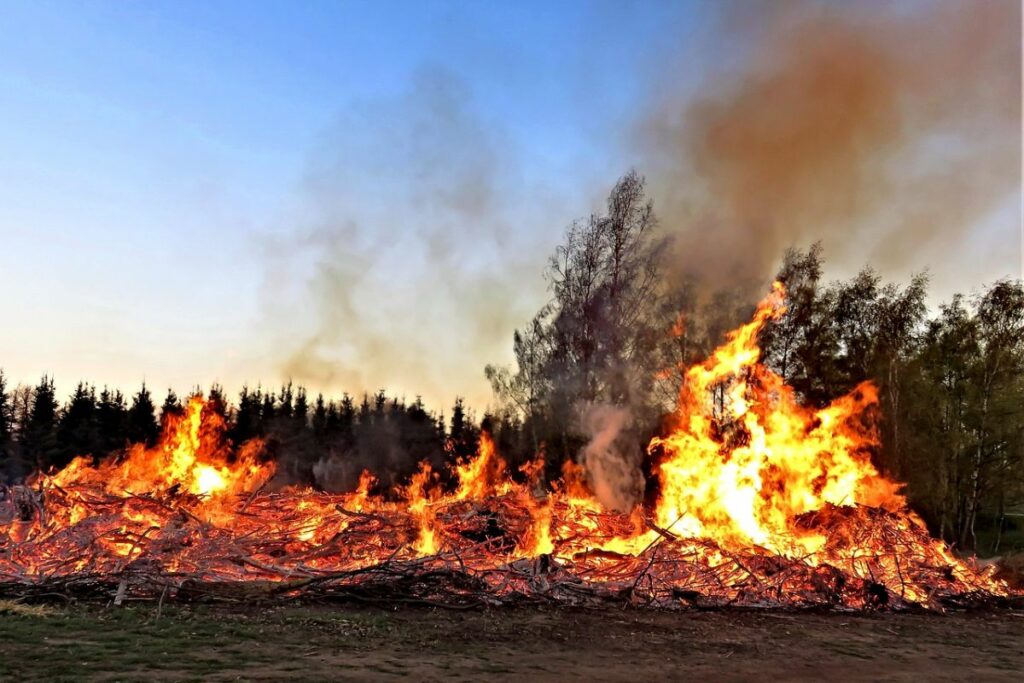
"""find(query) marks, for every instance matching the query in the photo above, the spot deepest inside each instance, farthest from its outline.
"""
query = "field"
(343, 643)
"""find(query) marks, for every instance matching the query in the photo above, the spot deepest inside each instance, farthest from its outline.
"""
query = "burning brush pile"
(762, 503)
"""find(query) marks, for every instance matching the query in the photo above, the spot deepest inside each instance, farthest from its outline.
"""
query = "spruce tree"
(40, 432)
(141, 424)
(171, 406)
(268, 410)
(78, 426)
(6, 429)
(319, 420)
(111, 420)
(217, 401)
(247, 423)
(301, 415)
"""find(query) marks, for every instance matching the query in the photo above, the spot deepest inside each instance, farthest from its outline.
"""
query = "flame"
(418, 499)
(192, 455)
(742, 467)
(360, 499)
(480, 476)
(537, 539)
(760, 499)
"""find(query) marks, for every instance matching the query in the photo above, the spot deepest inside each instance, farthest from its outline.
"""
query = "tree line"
(622, 321)
(316, 441)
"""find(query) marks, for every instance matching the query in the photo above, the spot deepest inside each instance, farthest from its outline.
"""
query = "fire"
(761, 501)
(192, 455)
(418, 499)
(741, 469)
(481, 475)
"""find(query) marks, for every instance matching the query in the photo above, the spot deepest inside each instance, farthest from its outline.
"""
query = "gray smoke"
(889, 132)
(612, 458)
(406, 260)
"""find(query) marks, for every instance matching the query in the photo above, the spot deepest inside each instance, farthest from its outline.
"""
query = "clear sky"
(340, 192)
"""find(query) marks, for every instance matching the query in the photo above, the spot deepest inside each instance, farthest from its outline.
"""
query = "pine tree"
(78, 426)
(284, 403)
(247, 423)
(6, 429)
(171, 406)
(6, 411)
(40, 432)
(301, 415)
(364, 410)
(141, 425)
(332, 423)
(319, 420)
(21, 400)
(268, 410)
(217, 401)
(463, 435)
(111, 420)
(347, 419)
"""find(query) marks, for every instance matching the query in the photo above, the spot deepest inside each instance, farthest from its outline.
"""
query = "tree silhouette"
(141, 425)
(78, 426)
(111, 421)
(40, 432)
(171, 406)
(7, 445)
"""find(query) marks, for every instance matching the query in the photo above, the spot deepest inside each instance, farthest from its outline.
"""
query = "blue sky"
(173, 173)
(149, 148)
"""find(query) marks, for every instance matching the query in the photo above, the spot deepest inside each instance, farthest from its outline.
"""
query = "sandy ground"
(318, 643)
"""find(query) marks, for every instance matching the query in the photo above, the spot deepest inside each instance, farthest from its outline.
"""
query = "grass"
(190, 644)
(205, 643)
(18, 609)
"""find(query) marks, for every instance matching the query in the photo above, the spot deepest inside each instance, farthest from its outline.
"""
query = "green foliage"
(951, 388)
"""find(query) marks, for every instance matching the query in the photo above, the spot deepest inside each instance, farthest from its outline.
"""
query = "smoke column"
(612, 458)
(889, 132)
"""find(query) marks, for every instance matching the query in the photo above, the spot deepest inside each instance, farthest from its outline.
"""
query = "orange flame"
(742, 471)
(192, 455)
(746, 472)
(418, 499)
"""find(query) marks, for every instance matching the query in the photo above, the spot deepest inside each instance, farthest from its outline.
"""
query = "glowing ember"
(762, 501)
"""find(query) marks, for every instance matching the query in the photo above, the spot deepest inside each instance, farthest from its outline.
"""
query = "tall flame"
(745, 460)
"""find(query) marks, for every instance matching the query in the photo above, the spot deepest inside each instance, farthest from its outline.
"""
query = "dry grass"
(18, 609)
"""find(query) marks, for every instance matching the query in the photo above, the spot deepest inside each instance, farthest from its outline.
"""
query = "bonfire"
(762, 502)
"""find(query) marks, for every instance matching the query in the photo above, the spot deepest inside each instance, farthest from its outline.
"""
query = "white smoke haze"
(612, 459)
(337, 473)
(408, 270)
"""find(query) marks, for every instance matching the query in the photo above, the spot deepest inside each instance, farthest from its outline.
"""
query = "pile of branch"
(82, 543)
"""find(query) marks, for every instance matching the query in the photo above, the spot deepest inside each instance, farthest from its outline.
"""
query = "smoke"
(406, 260)
(612, 458)
(889, 132)
(379, 449)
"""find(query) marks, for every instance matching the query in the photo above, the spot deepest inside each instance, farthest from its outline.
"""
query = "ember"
(762, 502)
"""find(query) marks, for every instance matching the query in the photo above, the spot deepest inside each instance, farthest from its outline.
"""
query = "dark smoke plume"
(889, 132)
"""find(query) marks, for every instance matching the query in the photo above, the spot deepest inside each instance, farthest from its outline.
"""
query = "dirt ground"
(317, 643)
